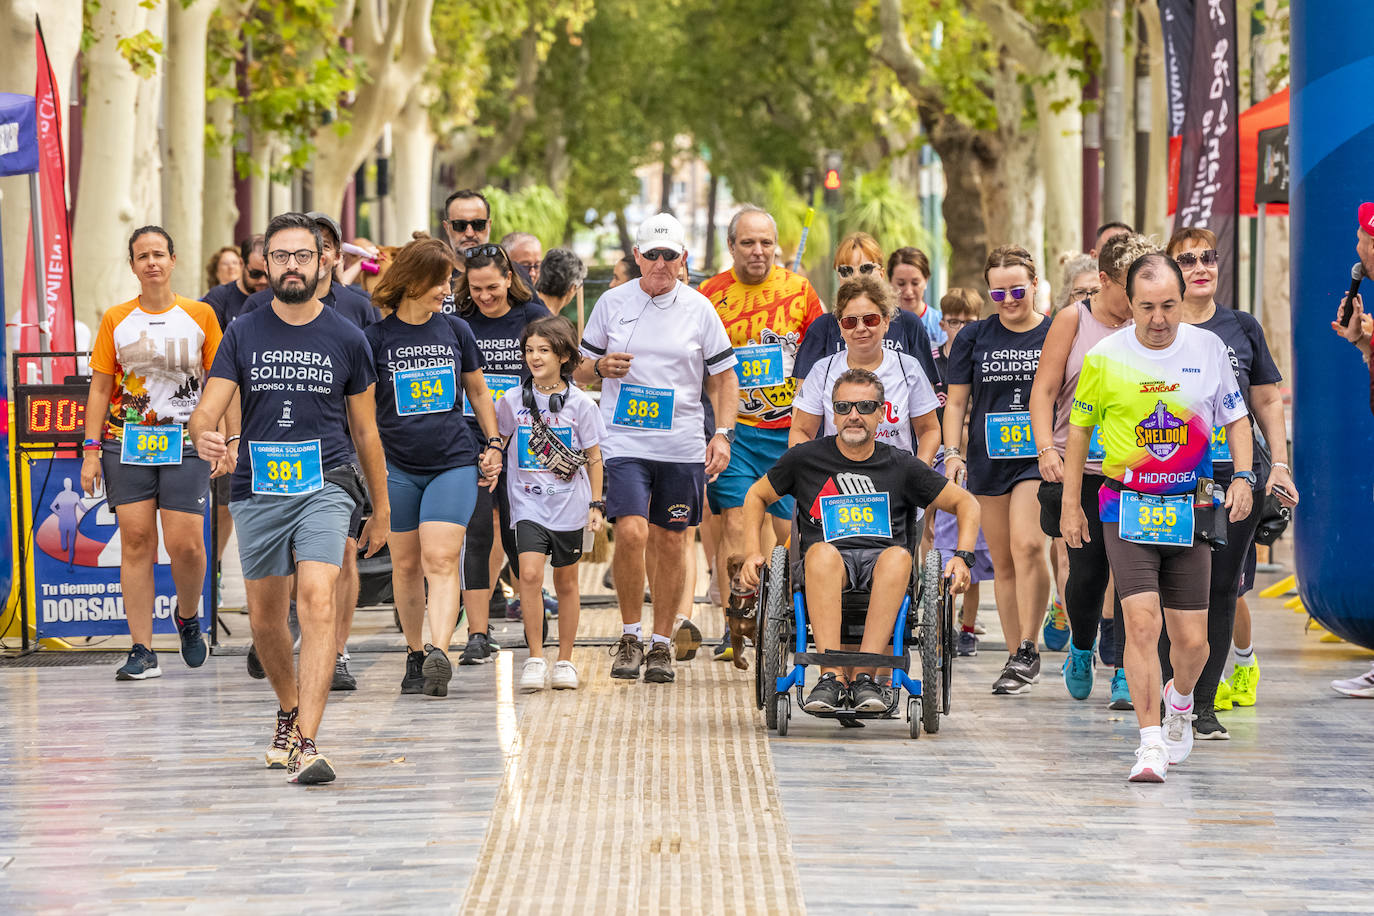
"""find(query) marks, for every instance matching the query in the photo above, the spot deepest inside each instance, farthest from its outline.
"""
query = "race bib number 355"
(1162, 520)
(286, 468)
(1009, 435)
(639, 407)
(853, 516)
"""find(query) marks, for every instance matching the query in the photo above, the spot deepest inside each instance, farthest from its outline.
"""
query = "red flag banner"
(56, 242)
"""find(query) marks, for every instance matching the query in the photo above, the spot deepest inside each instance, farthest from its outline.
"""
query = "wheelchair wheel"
(913, 716)
(931, 637)
(772, 647)
(784, 705)
(950, 650)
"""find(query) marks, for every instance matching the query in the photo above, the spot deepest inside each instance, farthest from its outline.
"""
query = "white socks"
(1178, 702)
(1243, 658)
(632, 629)
(1151, 734)
(660, 640)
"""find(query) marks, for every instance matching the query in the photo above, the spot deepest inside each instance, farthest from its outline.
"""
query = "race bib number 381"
(856, 515)
(286, 468)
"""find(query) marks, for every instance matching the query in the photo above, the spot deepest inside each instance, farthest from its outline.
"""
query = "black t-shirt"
(345, 300)
(498, 340)
(1253, 365)
(906, 334)
(424, 440)
(227, 300)
(294, 382)
(817, 473)
(999, 365)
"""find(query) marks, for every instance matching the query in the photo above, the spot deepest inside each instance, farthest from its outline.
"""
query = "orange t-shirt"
(158, 359)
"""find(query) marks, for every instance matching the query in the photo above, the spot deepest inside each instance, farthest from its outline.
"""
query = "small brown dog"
(740, 613)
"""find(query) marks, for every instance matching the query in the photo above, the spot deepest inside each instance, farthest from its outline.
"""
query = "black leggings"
(1227, 565)
(1088, 577)
(477, 543)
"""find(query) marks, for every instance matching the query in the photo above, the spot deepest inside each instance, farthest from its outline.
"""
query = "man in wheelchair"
(856, 499)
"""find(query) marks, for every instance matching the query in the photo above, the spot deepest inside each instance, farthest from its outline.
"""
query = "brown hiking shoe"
(629, 655)
(658, 664)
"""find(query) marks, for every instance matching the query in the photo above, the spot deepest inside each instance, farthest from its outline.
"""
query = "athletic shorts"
(277, 532)
(181, 487)
(564, 548)
(441, 496)
(667, 493)
(1182, 576)
(752, 454)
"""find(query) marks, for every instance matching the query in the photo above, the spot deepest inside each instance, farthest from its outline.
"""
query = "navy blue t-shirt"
(999, 365)
(498, 339)
(227, 300)
(294, 382)
(423, 442)
(1253, 365)
(345, 300)
(906, 334)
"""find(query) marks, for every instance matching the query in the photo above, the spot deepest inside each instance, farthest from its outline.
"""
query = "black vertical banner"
(1177, 19)
(1209, 167)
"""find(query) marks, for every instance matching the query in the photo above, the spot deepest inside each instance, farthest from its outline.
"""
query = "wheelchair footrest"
(833, 659)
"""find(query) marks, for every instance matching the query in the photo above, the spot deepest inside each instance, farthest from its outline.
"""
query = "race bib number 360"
(429, 390)
(854, 516)
(1162, 520)
(151, 445)
(286, 468)
(1009, 435)
(759, 366)
(639, 407)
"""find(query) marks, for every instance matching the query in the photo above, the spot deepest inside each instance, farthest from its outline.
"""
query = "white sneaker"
(1362, 686)
(1151, 763)
(1178, 733)
(564, 676)
(534, 675)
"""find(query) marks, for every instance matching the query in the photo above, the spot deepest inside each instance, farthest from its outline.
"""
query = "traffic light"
(832, 182)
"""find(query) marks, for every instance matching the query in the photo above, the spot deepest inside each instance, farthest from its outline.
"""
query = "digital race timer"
(50, 413)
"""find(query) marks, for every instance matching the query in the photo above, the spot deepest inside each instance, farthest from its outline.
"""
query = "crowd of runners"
(1121, 449)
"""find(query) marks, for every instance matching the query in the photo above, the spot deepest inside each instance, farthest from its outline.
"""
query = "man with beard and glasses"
(856, 500)
(304, 379)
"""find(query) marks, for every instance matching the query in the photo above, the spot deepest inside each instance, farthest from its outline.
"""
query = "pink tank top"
(1090, 331)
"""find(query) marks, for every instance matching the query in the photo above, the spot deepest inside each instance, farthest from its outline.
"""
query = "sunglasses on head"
(663, 253)
(461, 225)
(1000, 295)
(1189, 259)
(484, 251)
(843, 408)
(870, 320)
(847, 270)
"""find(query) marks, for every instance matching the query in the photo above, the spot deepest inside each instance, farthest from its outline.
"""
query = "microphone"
(1356, 275)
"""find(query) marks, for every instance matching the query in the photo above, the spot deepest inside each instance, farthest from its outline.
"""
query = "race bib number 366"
(286, 468)
(857, 515)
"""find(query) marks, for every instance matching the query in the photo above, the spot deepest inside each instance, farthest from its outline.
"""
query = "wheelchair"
(785, 638)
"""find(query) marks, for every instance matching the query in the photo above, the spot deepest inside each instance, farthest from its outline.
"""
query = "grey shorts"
(277, 532)
(181, 487)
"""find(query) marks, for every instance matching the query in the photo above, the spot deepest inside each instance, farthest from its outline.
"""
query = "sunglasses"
(843, 408)
(1000, 295)
(1189, 259)
(254, 274)
(847, 270)
(663, 253)
(281, 256)
(484, 251)
(870, 320)
(461, 225)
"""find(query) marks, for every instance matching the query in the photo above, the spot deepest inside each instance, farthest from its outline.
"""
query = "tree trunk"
(1059, 149)
(954, 142)
(665, 183)
(622, 227)
(219, 212)
(147, 176)
(412, 144)
(187, 29)
(712, 192)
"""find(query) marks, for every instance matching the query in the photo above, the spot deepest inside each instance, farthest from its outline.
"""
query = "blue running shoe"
(141, 665)
(1056, 630)
(193, 646)
(1078, 673)
(1121, 694)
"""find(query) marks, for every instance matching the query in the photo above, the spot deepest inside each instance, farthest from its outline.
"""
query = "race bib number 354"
(857, 515)
(429, 390)
(286, 468)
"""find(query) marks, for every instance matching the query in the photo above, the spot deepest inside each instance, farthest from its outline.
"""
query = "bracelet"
(1281, 464)
(1048, 448)
(952, 450)
(596, 366)
(232, 438)
(598, 504)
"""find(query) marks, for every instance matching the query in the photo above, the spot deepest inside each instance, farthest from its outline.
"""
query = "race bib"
(857, 515)
(1096, 450)
(286, 468)
(429, 390)
(1159, 520)
(1009, 435)
(525, 456)
(497, 385)
(759, 366)
(1221, 449)
(151, 445)
(643, 408)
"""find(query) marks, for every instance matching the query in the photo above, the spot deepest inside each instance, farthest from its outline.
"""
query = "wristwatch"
(598, 504)
(967, 556)
(1247, 476)
(494, 443)
(727, 432)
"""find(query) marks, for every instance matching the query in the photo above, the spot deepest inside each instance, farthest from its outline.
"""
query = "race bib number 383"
(856, 515)
(286, 468)
(639, 407)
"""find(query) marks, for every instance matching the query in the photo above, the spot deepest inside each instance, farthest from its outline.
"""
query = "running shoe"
(413, 681)
(724, 652)
(477, 651)
(828, 695)
(1027, 662)
(283, 740)
(255, 668)
(343, 678)
(511, 610)
(492, 644)
(968, 644)
(628, 657)
(1121, 691)
(1078, 673)
(1245, 683)
(1362, 686)
(1222, 701)
(140, 665)
(1056, 627)
(499, 604)
(1178, 728)
(1207, 728)
(437, 671)
(979, 629)
(193, 645)
(608, 580)
(534, 675)
(867, 695)
(658, 664)
(564, 676)
(686, 639)
(1010, 683)
(1106, 641)
(1151, 763)
(307, 766)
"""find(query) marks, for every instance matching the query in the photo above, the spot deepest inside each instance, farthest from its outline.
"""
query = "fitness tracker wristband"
(967, 556)
(596, 366)
(1247, 476)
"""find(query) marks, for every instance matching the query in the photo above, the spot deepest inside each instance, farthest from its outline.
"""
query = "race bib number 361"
(1009, 435)
(639, 407)
(286, 468)
(857, 515)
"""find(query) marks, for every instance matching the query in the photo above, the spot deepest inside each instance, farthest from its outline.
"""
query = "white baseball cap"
(661, 231)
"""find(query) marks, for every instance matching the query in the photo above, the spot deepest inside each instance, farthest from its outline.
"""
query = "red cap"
(1366, 217)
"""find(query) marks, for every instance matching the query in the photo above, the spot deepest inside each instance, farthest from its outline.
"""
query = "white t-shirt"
(536, 495)
(905, 387)
(655, 411)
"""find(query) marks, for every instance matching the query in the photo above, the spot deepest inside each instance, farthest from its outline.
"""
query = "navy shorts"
(667, 493)
(441, 496)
